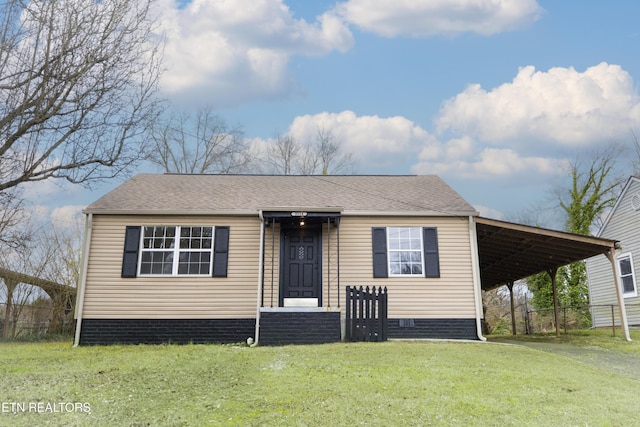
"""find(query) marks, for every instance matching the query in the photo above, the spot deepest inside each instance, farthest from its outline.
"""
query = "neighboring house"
(224, 258)
(623, 224)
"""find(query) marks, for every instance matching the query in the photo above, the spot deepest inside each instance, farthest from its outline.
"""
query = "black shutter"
(379, 244)
(431, 257)
(130, 255)
(221, 251)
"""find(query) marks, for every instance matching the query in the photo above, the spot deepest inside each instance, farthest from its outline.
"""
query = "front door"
(300, 276)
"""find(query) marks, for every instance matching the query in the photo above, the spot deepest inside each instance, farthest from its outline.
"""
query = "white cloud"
(235, 51)
(383, 145)
(488, 212)
(467, 159)
(560, 106)
(423, 18)
(377, 143)
(66, 216)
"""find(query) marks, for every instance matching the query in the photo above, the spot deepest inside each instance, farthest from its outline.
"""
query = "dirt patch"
(626, 365)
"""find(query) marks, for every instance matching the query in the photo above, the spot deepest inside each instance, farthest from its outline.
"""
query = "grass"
(602, 338)
(393, 383)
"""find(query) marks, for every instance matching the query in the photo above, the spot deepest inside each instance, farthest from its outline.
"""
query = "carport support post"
(513, 309)
(552, 273)
(616, 280)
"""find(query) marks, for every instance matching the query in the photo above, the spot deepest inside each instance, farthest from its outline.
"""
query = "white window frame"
(176, 251)
(619, 258)
(420, 249)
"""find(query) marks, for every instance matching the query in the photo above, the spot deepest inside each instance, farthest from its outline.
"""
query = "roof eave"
(410, 213)
(255, 212)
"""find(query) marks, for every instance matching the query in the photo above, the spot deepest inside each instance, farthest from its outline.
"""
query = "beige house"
(221, 258)
(224, 258)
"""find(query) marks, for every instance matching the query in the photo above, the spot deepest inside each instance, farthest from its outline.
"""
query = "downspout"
(86, 244)
(475, 271)
(260, 281)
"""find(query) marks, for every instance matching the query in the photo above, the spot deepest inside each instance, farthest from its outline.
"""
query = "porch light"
(301, 222)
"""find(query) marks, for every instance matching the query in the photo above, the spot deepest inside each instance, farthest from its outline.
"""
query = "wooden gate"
(366, 314)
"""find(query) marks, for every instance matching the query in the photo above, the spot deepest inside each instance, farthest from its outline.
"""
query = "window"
(405, 251)
(627, 276)
(178, 250)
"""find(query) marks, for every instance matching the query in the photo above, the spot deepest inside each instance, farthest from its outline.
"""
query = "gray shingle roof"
(201, 194)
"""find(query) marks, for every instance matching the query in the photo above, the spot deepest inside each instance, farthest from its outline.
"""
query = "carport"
(508, 252)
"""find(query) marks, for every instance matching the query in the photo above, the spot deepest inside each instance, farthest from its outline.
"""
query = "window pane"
(194, 263)
(416, 269)
(627, 284)
(394, 268)
(405, 233)
(206, 243)
(625, 266)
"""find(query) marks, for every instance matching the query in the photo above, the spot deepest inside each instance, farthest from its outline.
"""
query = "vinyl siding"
(450, 296)
(624, 226)
(108, 295)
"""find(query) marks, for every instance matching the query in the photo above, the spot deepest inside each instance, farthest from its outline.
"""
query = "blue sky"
(495, 96)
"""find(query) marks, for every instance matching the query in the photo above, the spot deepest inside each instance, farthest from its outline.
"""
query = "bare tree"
(77, 86)
(324, 156)
(201, 144)
(12, 215)
(48, 268)
(281, 155)
(330, 157)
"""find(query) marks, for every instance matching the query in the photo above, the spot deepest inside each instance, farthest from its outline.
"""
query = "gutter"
(86, 244)
(260, 272)
(252, 212)
(475, 271)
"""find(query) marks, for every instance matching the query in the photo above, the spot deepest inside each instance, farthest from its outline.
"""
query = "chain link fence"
(26, 321)
(574, 318)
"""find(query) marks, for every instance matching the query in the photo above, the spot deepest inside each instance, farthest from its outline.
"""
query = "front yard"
(393, 383)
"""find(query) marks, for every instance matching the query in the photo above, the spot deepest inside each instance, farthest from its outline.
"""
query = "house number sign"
(301, 214)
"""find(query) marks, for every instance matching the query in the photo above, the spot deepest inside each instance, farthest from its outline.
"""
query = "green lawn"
(393, 383)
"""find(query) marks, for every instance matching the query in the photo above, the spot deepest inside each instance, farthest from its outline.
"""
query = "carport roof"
(509, 251)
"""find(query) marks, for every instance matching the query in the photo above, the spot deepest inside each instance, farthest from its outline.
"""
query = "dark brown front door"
(301, 263)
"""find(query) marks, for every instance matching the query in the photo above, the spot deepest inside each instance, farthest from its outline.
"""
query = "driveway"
(623, 364)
